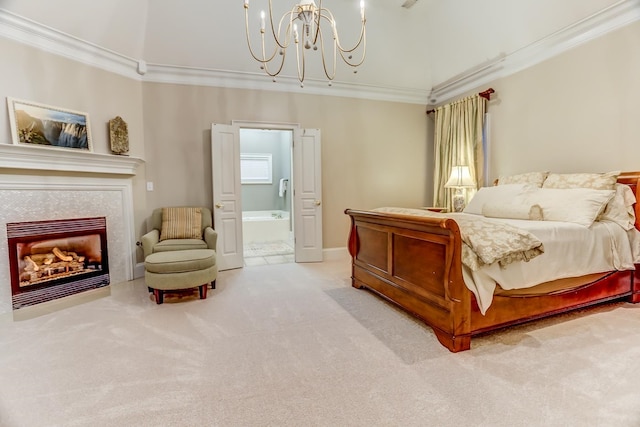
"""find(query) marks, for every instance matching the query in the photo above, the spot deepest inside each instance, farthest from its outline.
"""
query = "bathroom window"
(255, 168)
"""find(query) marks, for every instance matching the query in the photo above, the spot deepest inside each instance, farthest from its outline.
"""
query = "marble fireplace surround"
(39, 184)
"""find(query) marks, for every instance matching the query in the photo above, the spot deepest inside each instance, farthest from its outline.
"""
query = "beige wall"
(373, 153)
(31, 74)
(577, 112)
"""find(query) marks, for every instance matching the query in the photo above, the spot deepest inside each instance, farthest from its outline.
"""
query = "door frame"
(304, 202)
(280, 126)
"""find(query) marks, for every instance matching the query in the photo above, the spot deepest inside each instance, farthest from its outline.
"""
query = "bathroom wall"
(261, 197)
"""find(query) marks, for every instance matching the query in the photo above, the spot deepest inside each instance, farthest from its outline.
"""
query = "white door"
(307, 197)
(227, 201)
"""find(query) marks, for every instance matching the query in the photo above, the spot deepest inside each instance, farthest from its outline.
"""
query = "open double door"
(227, 200)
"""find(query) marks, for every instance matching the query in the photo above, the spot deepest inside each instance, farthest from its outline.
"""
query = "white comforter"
(570, 250)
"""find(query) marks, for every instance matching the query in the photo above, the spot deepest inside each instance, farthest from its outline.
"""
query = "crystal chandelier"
(315, 22)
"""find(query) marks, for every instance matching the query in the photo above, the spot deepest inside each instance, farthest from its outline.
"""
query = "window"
(255, 168)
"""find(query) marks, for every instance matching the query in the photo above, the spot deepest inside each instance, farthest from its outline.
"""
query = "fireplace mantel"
(57, 159)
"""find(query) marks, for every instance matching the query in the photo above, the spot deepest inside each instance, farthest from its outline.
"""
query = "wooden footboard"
(415, 262)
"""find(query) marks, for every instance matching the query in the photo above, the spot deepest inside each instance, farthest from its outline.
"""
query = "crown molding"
(609, 19)
(32, 33)
(161, 73)
(48, 39)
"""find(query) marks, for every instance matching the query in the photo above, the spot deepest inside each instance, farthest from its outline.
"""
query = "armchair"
(181, 230)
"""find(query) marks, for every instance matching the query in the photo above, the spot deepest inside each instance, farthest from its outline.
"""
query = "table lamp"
(460, 178)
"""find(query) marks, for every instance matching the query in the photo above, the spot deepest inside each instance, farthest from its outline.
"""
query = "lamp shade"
(460, 177)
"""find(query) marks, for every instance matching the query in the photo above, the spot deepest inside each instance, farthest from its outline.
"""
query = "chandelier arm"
(329, 17)
(362, 39)
(355, 64)
(264, 59)
(273, 74)
(317, 19)
(265, 65)
(324, 62)
(300, 72)
(287, 37)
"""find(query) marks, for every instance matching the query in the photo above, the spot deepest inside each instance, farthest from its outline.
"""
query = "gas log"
(51, 265)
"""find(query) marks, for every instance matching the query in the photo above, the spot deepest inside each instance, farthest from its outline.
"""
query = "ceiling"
(407, 49)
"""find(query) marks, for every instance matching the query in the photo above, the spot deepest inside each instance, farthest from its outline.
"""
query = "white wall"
(262, 197)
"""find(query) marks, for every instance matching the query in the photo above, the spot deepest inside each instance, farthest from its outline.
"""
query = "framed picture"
(46, 126)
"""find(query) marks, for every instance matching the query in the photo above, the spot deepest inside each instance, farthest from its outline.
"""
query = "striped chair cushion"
(181, 223)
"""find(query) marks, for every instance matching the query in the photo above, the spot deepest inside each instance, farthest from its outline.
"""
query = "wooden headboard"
(632, 179)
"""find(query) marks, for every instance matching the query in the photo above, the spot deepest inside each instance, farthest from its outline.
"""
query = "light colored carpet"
(295, 345)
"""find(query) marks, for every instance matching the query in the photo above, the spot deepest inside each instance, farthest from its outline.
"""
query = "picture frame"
(41, 125)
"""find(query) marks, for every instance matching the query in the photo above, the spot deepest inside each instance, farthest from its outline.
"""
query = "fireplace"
(53, 259)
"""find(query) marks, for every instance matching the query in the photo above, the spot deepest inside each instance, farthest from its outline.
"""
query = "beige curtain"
(458, 141)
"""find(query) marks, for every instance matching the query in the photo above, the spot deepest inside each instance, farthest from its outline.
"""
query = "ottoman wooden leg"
(159, 294)
(203, 291)
(213, 284)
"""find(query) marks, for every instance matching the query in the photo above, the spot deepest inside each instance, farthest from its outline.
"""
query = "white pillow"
(596, 181)
(513, 211)
(535, 178)
(496, 195)
(620, 208)
(578, 205)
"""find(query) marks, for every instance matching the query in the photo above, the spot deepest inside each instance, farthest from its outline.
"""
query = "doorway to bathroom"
(304, 199)
(267, 203)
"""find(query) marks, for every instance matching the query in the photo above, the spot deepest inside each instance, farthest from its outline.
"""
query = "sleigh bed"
(416, 263)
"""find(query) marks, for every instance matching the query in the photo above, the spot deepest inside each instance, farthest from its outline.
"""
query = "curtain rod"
(485, 94)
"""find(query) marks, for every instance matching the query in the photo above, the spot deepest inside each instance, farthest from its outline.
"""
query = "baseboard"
(138, 270)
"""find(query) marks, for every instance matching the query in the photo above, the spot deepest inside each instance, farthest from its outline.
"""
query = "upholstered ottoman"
(175, 270)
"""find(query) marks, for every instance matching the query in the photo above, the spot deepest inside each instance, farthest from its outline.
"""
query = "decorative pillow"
(496, 195)
(578, 205)
(181, 223)
(620, 208)
(513, 211)
(597, 181)
(535, 178)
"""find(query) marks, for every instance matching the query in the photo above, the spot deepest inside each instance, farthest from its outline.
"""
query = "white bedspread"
(571, 250)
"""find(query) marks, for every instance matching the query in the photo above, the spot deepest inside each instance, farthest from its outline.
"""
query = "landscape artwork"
(43, 125)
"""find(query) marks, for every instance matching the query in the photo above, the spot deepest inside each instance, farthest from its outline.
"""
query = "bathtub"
(265, 226)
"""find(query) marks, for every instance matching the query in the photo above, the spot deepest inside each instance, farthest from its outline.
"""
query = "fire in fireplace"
(53, 259)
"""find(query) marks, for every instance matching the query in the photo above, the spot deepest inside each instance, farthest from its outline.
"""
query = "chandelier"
(317, 23)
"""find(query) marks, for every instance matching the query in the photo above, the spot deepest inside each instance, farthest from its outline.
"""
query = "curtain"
(458, 142)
